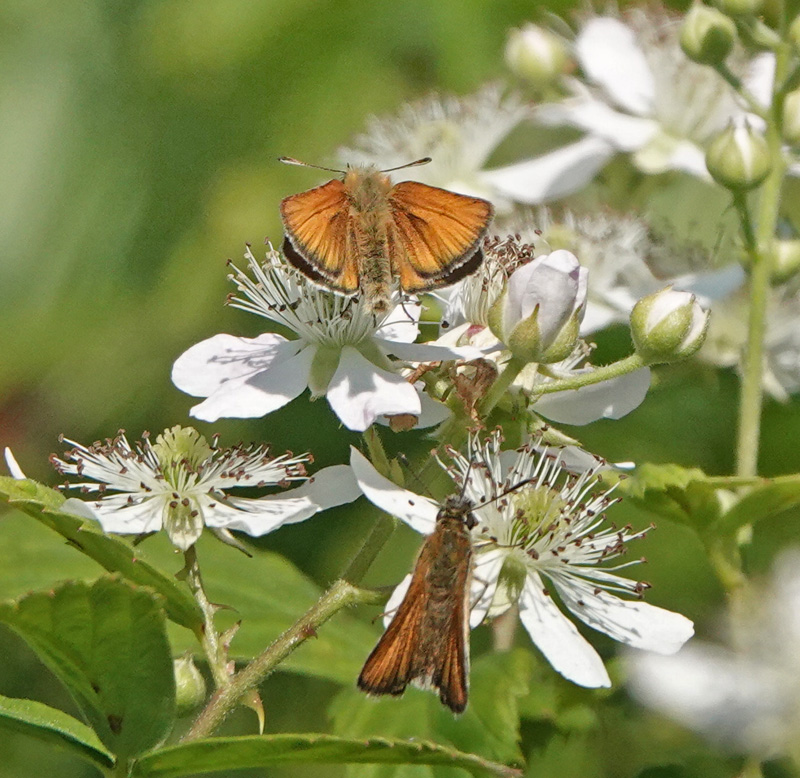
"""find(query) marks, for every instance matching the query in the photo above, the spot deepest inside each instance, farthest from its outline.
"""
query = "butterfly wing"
(319, 236)
(434, 235)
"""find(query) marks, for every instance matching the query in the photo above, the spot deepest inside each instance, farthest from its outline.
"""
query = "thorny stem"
(616, 369)
(209, 639)
(501, 384)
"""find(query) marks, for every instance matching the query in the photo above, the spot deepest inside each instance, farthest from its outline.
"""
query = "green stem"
(759, 250)
(500, 386)
(340, 595)
(616, 369)
(209, 639)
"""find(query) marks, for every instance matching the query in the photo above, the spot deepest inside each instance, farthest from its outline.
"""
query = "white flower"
(747, 695)
(341, 351)
(459, 134)
(180, 483)
(551, 529)
(640, 95)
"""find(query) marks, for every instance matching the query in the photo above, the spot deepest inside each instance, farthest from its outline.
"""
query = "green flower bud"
(668, 326)
(740, 7)
(535, 54)
(791, 118)
(738, 158)
(190, 686)
(794, 33)
(707, 35)
(785, 260)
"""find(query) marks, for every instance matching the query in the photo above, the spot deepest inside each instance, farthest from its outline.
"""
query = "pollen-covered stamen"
(281, 294)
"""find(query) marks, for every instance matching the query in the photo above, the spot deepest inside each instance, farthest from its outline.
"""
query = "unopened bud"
(667, 326)
(785, 260)
(794, 33)
(190, 687)
(707, 35)
(739, 7)
(535, 54)
(791, 118)
(738, 158)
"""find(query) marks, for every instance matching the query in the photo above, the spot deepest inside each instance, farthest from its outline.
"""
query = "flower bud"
(738, 158)
(190, 687)
(535, 54)
(707, 35)
(538, 315)
(667, 326)
(791, 118)
(740, 7)
(785, 259)
(794, 33)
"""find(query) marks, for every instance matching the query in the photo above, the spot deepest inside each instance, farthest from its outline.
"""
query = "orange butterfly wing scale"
(434, 235)
(319, 236)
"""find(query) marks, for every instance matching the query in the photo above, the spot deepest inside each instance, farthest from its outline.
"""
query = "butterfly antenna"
(293, 161)
(423, 161)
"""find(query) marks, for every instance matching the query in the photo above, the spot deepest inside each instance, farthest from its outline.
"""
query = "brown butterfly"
(360, 233)
(427, 641)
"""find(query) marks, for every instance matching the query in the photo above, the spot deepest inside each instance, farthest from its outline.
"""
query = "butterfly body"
(427, 641)
(361, 234)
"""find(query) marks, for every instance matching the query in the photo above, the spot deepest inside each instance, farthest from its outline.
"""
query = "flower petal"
(359, 392)
(207, 365)
(485, 574)
(393, 603)
(430, 352)
(118, 516)
(401, 325)
(558, 639)
(260, 392)
(13, 465)
(415, 510)
(632, 622)
(553, 175)
(610, 399)
(610, 56)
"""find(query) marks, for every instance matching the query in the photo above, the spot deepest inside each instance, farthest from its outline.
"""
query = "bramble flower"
(639, 95)
(458, 133)
(746, 695)
(340, 351)
(180, 483)
(552, 528)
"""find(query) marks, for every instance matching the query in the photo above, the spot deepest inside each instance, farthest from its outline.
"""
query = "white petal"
(331, 486)
(79, 508)
(553, 175)
(393, 603)
(760, 77)
(415, 510)
(610, 56)
(689, 158)
(402, 323)
(712, 285)
(430, 352)
(632, 622)
(359, 392)
(133, 519)
(207, 365)
(13, 466)
(558, 639)
(610, 399)
(432, 412)
(259, 393)
(485, 573)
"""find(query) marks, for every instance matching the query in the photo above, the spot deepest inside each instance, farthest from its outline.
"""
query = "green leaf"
(107, 643)
(233, 753)
(489, 726)
(761, 502)
(114, 554)
(51, 725)
(677, 493)
(268, 594)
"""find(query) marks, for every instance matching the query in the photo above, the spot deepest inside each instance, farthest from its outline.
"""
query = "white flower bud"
(739, 158)
(190, 686)
(667, 326)
(538, 315)
(785, 259)
(791, 118)
(707, 35)
(535, 54)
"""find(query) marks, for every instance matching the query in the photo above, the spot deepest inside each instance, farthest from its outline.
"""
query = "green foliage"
(107, 644)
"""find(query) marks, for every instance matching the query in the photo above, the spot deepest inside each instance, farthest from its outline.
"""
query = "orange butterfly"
(360, 233)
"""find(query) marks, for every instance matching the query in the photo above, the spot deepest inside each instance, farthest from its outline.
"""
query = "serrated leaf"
(489, 726)
(107, 643)
(55, 727)
(233, 753)
(675, 492)
(761, 502)
(113, 553)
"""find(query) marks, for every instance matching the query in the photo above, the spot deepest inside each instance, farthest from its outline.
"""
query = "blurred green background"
(138, 146)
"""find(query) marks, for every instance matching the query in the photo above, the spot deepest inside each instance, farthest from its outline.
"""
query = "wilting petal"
(213, 362)
(415, 510)
(558, 639)
(359, 392)
(610, 56)
(610, 399)
(260, 393)
(553, 175)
